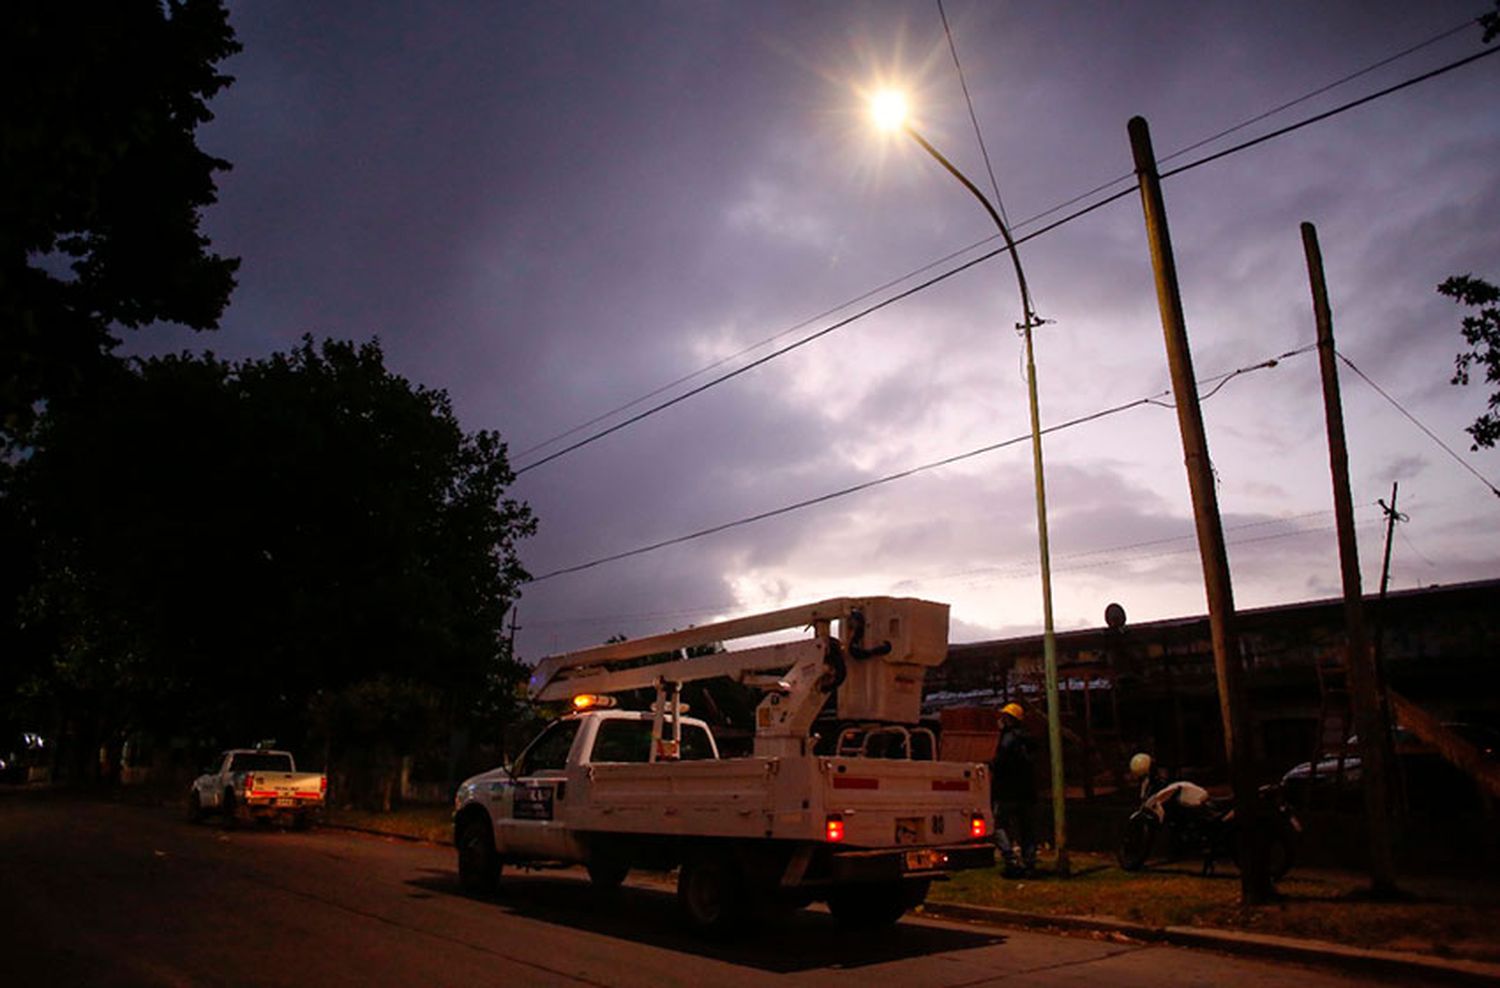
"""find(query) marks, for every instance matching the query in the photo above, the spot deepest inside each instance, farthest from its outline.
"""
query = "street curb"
(1388, 963)
(371, 831)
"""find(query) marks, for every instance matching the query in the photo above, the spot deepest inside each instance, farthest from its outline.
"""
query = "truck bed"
(881, 802)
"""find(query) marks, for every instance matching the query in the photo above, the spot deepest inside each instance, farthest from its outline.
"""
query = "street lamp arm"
(1028, 313)
(1044, 552)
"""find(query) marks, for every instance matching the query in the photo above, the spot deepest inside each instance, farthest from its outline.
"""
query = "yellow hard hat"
(1140, 764)
(1014, 710)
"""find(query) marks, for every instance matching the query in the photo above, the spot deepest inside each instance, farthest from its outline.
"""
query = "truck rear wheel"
(710, 890)
(873, 907)
(478, 864)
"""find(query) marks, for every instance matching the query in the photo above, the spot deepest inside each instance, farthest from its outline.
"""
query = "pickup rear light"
(323, 784)
(977, 827)
(834, 828)
(249, 781)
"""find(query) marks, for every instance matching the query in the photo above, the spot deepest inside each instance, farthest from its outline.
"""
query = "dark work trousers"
(1015, 832)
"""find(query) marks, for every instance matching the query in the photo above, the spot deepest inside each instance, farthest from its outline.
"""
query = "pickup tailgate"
(286, 788)
(890, 803)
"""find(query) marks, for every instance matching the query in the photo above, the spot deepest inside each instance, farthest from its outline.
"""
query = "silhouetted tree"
(1482, 333)
(237, 551)
(101, 185)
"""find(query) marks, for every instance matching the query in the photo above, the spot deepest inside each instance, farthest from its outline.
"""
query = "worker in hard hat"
(1013, 793)
(1153, 776)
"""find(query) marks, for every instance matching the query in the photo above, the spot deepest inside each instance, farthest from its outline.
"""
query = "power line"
(1465, 26)
(1117, 553)
(888, 478)
(1129, 176)
(923, 286)
(1326, 114)
(969, 102)
(663, 406)
(1414, 420)
(892, 283)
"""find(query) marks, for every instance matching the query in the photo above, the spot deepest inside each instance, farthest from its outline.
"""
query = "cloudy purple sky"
(552, 209)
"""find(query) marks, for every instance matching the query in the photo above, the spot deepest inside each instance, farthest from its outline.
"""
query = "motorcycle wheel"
(1135, 842)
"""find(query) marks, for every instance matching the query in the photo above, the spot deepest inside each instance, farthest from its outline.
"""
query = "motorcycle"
(1196, 824)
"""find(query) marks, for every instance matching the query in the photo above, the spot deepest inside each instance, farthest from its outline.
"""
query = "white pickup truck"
(862, 818)
(258, 784)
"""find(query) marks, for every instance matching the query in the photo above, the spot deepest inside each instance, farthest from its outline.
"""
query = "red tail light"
(249, 781)
(323, 784)
(977, 826)
(834, 831)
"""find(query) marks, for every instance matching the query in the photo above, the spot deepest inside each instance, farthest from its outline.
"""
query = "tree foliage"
(102, 184)
(1482, 333)
(276, 547)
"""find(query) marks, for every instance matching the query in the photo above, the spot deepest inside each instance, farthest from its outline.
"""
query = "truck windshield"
(625, 740)
(261, 761)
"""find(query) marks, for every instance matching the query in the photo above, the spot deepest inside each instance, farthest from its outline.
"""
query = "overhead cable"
(923, 286)
(714, 365)
(969, 102)
(1319, 117)
(889, 478)
(1114, 555)
(1415, 421)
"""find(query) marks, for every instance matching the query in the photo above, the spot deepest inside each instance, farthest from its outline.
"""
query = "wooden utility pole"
(1382, 683)
(1255, 881)
(1361, 664)
(1391, 517)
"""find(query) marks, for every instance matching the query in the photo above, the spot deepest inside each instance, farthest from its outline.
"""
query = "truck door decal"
(532, 802)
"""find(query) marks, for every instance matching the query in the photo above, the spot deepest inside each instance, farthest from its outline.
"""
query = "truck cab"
(529, 803)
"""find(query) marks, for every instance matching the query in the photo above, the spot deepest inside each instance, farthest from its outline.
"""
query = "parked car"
(1425, 773)
(23, 757)
(258, 783)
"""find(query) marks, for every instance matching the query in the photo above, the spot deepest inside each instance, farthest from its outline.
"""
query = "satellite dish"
(1114, 616)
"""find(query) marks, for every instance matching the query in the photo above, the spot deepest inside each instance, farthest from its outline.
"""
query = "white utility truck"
(859, 815)
(258, 784)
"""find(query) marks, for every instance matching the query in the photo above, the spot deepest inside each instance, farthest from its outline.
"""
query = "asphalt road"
(98, 893)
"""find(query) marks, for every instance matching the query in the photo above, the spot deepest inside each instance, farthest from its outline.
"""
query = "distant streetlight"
(888, 108)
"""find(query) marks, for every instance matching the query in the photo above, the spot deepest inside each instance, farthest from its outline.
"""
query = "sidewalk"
(1446, 928)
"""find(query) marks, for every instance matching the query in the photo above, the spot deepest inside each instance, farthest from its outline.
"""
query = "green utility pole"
(1028, 322)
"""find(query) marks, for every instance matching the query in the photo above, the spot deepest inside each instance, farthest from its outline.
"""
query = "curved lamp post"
(889, 111)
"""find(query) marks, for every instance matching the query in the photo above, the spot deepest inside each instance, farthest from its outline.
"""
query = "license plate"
(924, 860)
(286, 802)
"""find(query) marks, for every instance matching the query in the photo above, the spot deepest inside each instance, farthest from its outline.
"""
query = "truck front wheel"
(228, 810)
(873, 907)
(478, 864)
(710, 890)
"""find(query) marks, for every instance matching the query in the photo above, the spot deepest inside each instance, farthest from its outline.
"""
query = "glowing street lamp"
(888, 108)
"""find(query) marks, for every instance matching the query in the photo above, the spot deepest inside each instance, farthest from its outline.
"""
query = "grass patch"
(1316, 905)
